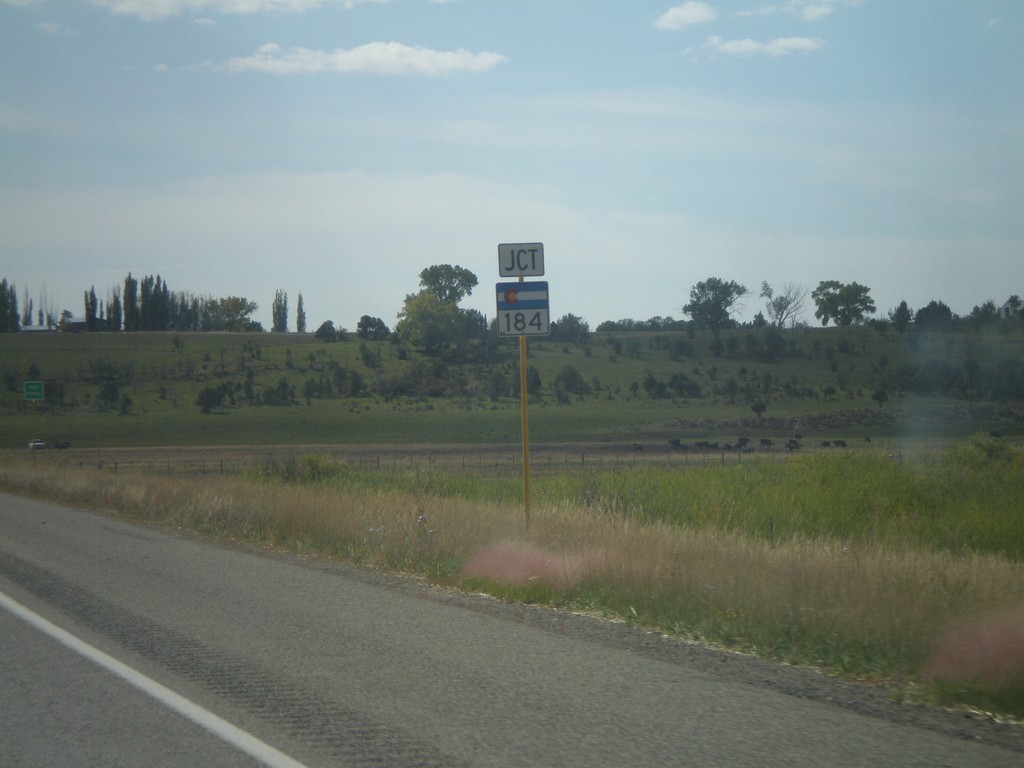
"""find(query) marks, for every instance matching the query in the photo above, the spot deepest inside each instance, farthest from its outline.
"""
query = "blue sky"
(238, 147)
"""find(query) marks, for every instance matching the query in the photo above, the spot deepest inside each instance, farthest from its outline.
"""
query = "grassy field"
(904, 572)
(142, 389)
(899, 560)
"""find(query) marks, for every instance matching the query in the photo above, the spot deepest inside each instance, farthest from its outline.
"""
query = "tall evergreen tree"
(8, 307)
(146, 305)
(114, 311)
(300, 316)
(132, 318)
(279, 312)
(163, 313)
(26, 318)
(91, 309)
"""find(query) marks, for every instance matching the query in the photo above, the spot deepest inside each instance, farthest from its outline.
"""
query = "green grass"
(856, 560)
(960, 501)
(821, 388)
(871, 565)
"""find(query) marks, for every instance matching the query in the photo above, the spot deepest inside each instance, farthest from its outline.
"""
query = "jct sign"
(523, 309)
(521, 259)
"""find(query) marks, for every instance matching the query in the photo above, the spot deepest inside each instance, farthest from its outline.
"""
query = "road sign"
(523, 309)
(521, 259)
(33, 390)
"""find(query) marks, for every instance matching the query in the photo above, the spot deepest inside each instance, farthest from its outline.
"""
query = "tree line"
(432, 321)
(147, 304)
(714, 301)
(150, 305)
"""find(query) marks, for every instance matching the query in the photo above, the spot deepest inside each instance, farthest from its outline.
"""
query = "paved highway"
(124, 645)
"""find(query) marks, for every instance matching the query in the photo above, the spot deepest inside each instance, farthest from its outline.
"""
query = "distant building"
(1012, 307)
(73, 325)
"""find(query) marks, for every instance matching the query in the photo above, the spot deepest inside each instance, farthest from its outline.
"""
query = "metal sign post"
(523, 311)
(524, 420)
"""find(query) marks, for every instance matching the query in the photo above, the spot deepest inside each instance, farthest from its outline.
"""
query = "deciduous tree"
(935, 316)
(843, 303)
(432, 321)
(210, 397)
(571, 328)
(784, 307)
(713, 301)
(233, 314)
(426, 322)
(372, 328)
(326, 331)
(450, 284)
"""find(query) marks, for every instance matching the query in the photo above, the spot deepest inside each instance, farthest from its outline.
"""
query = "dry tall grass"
(870, 611)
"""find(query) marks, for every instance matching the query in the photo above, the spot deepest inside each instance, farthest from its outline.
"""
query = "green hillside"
(134, 389)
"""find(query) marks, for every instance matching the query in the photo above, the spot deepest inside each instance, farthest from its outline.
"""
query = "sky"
(336, 148)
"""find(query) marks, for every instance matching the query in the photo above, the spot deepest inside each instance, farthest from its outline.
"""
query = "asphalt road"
(329, 665)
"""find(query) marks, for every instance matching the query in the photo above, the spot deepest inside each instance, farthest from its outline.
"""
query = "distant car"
(37, 443)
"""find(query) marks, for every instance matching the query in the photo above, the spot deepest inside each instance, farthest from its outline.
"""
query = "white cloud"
(685, 15)
(157, 10)
(376, 58)
(58, 30)
(767, 10)
(815, 12)
(782, 46)
(807, 10)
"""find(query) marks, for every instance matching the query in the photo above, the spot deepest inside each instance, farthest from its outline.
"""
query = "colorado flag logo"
(522, 296)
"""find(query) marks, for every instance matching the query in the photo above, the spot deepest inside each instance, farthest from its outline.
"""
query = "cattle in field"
(793, 445)
(766, 442)
(839, 443)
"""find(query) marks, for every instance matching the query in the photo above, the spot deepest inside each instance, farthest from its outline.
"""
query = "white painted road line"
(219, 727)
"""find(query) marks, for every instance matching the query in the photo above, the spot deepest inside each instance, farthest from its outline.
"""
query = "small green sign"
(33, 390)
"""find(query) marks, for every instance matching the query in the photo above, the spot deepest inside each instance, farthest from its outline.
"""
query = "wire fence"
(463, 459)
